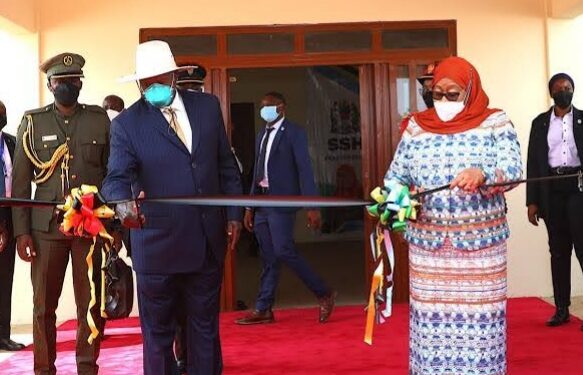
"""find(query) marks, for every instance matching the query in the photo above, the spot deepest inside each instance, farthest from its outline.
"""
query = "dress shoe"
(257, 317)
(7, 344)
(561, 317)
(327, 306)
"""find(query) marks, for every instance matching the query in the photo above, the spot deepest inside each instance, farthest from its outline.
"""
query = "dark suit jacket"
(6, 212)
(538, 157)
(289, 166)
(175, 237)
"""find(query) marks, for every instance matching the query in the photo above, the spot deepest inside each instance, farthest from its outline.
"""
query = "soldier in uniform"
(426, 81)
(59, 147)
(191, 79)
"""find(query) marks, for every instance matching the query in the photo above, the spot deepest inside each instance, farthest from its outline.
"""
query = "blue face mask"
(159, 95)
(269, 113)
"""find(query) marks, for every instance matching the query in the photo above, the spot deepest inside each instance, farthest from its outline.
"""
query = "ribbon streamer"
(393, 207)
(381, 290)
(83, 210)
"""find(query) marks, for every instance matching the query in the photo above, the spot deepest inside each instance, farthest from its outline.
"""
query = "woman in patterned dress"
(457, 247)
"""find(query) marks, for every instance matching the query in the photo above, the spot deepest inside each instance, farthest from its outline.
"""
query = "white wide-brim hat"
(153, 58)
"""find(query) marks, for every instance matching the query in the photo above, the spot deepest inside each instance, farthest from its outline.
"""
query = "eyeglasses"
(450, 96)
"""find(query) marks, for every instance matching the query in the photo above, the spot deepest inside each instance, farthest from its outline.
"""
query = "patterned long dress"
(458, 248)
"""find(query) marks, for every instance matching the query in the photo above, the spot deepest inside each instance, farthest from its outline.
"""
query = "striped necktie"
(175, 125)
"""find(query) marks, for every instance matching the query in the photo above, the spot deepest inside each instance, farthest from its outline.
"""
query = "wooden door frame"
(379, 135)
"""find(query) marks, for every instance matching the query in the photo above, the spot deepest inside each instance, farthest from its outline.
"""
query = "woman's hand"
(469, 180)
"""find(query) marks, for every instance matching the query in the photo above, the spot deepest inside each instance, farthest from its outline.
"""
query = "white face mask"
(448, 110)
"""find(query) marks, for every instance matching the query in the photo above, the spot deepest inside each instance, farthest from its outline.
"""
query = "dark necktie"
(262, 155)
(2, 168)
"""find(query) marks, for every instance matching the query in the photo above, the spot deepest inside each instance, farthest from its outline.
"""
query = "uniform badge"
(68, 60)
(46, 138)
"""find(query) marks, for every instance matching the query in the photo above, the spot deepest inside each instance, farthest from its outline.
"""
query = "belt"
(262, 190)
(564, 170)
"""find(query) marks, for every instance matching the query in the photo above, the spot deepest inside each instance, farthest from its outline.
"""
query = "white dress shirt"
(561, 140)
(182, 118)
(265, 181)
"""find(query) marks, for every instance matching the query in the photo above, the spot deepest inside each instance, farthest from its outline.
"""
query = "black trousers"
(181, 334)
(6, 277)
(159, 296)
(564, 224)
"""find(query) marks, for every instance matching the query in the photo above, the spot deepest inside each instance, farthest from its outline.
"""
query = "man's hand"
(4, 237)
(129, 215)
(248, 220)
(233, 231)
(25, 247)
(314, 219)
(469, 180)
(533, 214)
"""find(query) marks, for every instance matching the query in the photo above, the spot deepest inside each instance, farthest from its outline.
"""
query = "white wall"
(504, 39)
(20, 85)
(566, 55)
(21, 14)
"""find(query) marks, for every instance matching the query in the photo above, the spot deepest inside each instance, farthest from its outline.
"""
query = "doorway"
(325, 101)
(387, 56)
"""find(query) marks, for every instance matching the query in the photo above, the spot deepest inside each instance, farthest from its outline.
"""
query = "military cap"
(427, 73)
(64, 65)
(191, 74)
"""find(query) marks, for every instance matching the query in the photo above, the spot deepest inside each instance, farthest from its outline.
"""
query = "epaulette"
(94, 108)
(44, 109)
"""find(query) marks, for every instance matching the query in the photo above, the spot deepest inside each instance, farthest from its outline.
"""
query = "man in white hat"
(172, 143)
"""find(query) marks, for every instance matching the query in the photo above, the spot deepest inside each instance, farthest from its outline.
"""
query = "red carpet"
(297, 344)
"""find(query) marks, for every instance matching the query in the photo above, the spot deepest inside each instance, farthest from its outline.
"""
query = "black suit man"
(7, 242)
(555, 148)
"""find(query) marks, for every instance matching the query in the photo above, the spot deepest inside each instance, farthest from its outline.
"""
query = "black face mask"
(3, 121)
(563, 99)
(428, 99)
(66, 94)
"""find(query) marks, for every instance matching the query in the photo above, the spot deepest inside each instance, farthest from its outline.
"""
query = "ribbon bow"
(83, 209)
(394, 206)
